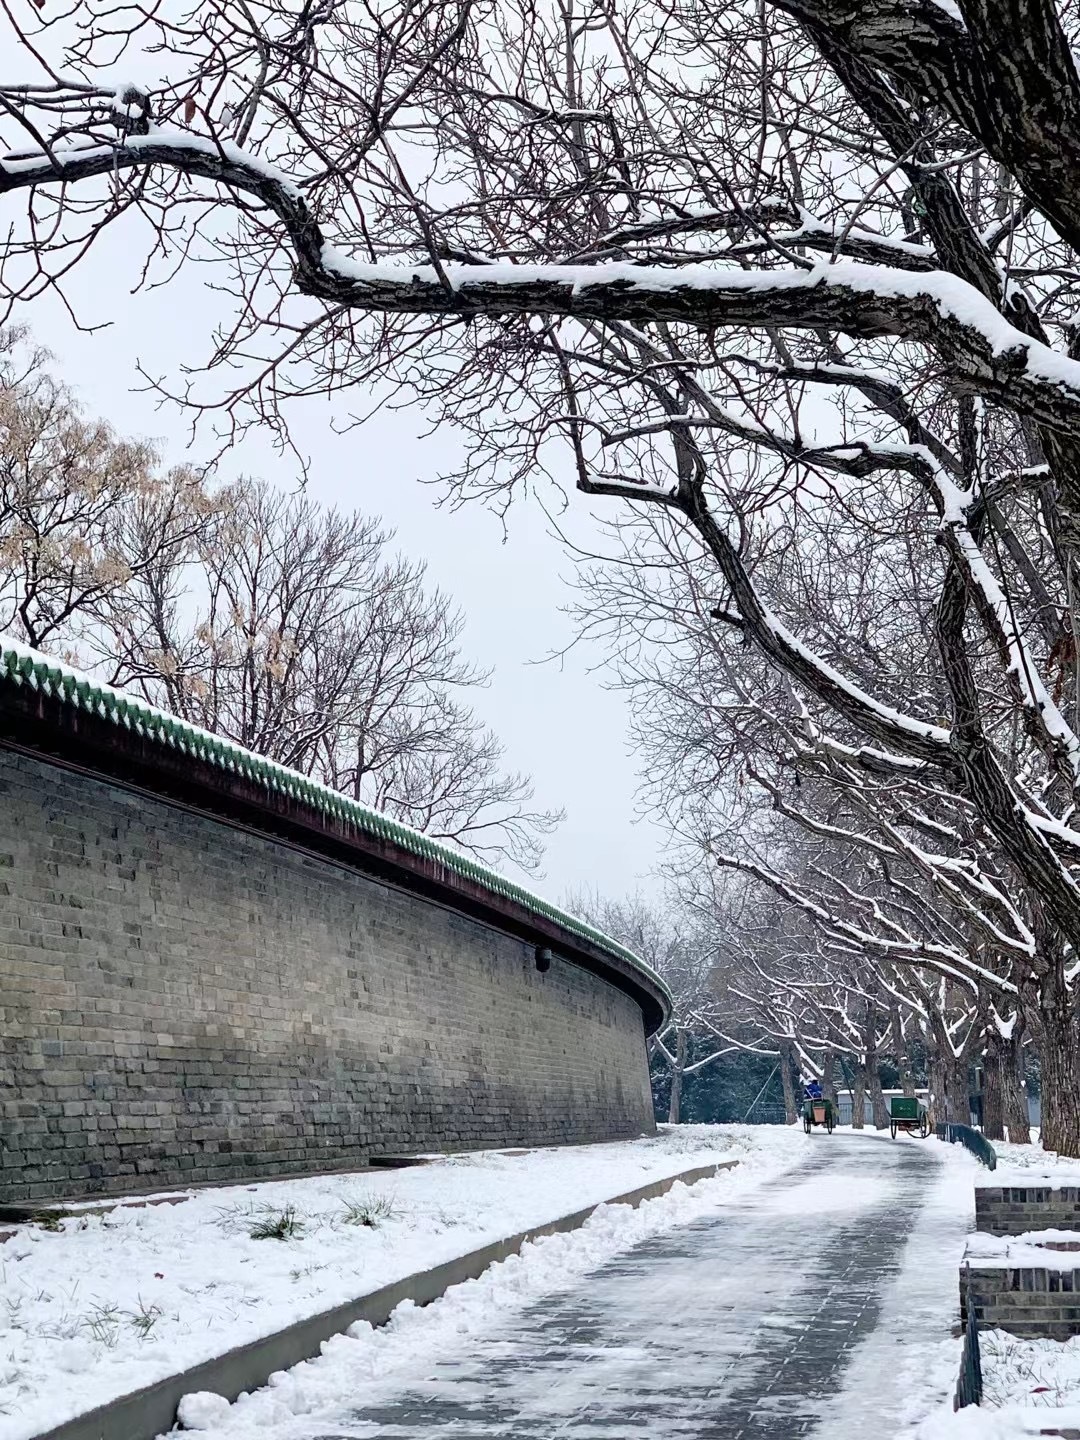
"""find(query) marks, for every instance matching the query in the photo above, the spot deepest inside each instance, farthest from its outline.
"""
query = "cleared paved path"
(734, 1328)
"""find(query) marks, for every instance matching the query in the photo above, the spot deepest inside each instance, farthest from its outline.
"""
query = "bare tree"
(886, 870)
(680, 948)
(69, 488)
(297, 634)
(754, 265)
(254, 614)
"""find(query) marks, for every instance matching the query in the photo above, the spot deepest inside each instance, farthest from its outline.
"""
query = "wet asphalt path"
(737, 1327)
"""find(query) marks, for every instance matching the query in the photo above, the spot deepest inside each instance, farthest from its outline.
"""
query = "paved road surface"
(737, 1327)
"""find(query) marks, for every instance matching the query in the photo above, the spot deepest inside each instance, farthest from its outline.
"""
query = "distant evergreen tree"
(724, 1091)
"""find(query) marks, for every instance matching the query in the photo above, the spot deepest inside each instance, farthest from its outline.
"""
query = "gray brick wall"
(1016, 1209)
(1033, 1303)
(181, 1001)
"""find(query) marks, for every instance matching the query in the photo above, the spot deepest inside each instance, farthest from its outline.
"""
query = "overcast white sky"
(556, 720)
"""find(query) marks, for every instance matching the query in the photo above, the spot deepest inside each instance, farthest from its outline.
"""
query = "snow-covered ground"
(1024, 1379)
(116, 1301)
(1029, 1164)
(1035, 1373)
(366, 1358)
(1031, 1387)
(406, 1373)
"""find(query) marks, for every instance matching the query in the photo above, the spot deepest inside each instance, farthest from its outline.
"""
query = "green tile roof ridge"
(21, 665)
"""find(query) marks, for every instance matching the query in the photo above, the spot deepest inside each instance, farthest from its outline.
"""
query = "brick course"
(1016, 1209)
(1033, 1303)
(184, 1001)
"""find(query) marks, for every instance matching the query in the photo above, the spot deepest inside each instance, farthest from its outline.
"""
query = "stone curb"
(147, 1413)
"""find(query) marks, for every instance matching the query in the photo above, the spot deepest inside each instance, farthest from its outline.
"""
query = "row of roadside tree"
(788, 291)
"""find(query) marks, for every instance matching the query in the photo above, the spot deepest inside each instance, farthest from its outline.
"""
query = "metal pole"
(761, 1092)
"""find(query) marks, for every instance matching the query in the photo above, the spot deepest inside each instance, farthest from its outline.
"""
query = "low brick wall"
(1017, 1209)
(1035, 1303)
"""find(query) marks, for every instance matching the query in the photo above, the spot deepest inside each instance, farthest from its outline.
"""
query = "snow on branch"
(975, 341)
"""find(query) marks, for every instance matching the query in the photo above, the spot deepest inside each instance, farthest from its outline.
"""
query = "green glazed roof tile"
(20, 665)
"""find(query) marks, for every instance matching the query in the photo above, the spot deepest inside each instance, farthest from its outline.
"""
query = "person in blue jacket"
(812, 1090)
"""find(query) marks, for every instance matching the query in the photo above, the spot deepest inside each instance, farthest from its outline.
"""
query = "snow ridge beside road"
(356, 1366)
(386, 1379)
(118, 1301)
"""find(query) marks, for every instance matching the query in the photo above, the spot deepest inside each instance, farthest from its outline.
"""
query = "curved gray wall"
(184, 1001)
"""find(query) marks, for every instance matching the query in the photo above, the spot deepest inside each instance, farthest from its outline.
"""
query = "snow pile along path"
(1031, 1165)
(820, 1305)
(372, 1362)
(114, 1302)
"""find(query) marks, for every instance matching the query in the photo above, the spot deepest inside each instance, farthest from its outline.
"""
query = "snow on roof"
(21, 665)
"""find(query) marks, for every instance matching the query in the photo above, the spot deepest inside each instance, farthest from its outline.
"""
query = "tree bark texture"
(936, 1098)
(675, 1104)
(873, 1071)
(1014, 1099)
(858, 1098)
(787, 1077)
(993, 1098)
(828, 1076)
(957, 1091)
(900, 1051)
(1059, 1058)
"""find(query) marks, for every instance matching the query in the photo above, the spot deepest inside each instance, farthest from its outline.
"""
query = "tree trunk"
(1060, 1090)
(935, 1068)
(828, 1077)
(1014, 1100)
(858, 1098)
(873, 1073)
(1059, 1061)
(1059, 1045)
(957, 1091)
(900, 1051)
(877, 1100)
(787, 1065)
(676, 1079)
(993, 1097)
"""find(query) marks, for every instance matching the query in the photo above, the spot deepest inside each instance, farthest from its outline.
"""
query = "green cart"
(908, 1115)
(818, 1112)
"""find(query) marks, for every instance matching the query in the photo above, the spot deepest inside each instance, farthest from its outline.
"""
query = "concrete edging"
(151, 1411)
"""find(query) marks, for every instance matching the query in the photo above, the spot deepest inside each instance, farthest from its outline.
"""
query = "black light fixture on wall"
(543, 959)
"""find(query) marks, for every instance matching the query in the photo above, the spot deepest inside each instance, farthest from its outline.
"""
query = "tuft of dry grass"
(278, 1225)
(368, 1210)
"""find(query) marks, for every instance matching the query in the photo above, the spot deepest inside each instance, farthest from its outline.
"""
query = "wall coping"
(1029, 1180)
(56, 711)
